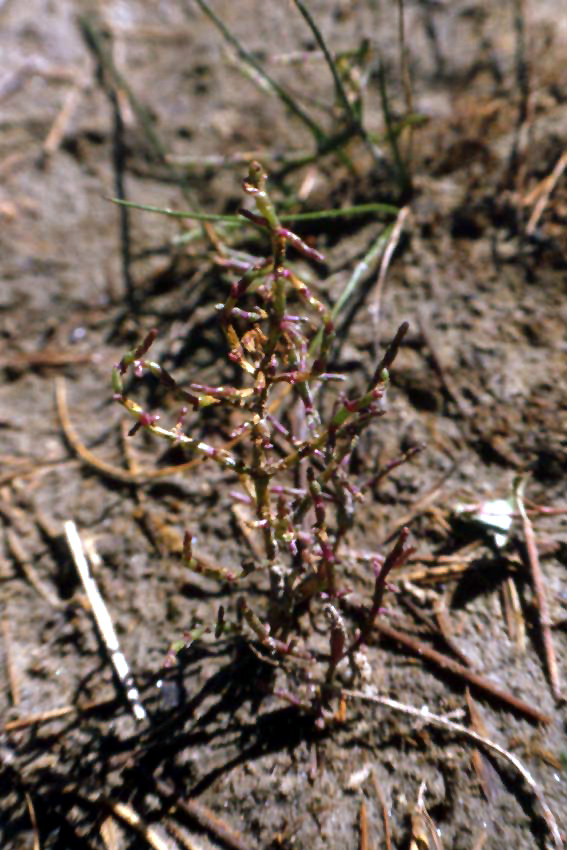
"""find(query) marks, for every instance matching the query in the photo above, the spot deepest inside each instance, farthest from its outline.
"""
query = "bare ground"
(482, 379)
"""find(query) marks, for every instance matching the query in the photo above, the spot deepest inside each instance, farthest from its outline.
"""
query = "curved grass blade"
(346, 212)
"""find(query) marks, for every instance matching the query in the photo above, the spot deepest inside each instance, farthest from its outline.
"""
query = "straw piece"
(103, 621)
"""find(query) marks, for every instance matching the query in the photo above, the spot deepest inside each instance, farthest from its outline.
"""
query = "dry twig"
(56, 714)
(105, 469)
(513, 613)
(11, 668)
(385, 811)
(206, 818)
(539, 590)
(442, 618)
(20, 557)
(127, 815)
(422, 650)
(486, 774)
(33, 819)
(63, 118)
(422, 825)
(425, 716)
(545, 188)
(48, 358)
(363, 843)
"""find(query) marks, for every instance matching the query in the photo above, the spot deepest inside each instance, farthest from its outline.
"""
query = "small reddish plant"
(299, 487)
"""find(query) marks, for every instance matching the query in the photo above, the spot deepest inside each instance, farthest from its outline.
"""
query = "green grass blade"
(246, 56)
(363, 268)
(360, 209)
(352, 118)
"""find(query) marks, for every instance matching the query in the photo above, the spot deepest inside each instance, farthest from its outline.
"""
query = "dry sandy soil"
(479, 273)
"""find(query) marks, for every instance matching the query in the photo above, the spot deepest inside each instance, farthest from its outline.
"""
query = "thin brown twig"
(363, 820)
(46, 358)
(432, 574)
(11, 669)
(13, 514)
(514, 616)
(385, 811)
(40, 718)
(19, 555)
(548, 185)
(422, 650)
(206, 818)
(108, 830)
(57, 714)
(442, 618)
(33, 819)
(181, 837)
(544, 510)
(539, 591)
(485, 772)
(461, 558)
(151, 32)
(425, 716)
(23, 470)
(466, 554)
(428, 569)
(422, 825)
(107, 469)
(62, 119)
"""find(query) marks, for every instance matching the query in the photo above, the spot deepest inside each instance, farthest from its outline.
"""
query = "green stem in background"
(339, 88)
(316, 131)
(364, 267)
(320, 215)
(406, 80)
(404, 181)
(351, 117)
(331, 144)
(95, 40)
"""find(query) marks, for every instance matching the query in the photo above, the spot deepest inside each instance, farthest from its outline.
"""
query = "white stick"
(103, 621)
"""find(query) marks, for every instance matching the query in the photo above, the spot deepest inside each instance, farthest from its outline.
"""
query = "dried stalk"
(540, 595)
(425, 716)
(422, 650)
